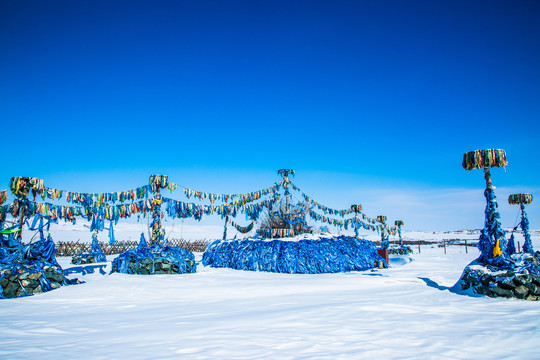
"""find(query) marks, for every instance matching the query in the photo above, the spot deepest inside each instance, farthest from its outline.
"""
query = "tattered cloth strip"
(161, 181)
(242, 229)
(305, 256)
(515, 199)
(244, 197)
(479, 159)
(3, 196)
(381, 219)
(399, 222)
(21, 186)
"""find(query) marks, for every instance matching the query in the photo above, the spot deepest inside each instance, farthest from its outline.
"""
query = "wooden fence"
(70, 248)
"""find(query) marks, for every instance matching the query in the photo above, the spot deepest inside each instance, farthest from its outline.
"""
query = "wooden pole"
(487, 176)
(22, 210)
(466, 248)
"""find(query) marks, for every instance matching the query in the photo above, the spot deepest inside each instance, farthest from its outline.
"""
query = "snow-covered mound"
(306, 254)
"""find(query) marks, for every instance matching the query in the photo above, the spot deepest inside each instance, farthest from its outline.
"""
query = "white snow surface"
(404, 312)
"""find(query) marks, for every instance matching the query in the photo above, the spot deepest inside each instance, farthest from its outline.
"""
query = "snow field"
(405, 312)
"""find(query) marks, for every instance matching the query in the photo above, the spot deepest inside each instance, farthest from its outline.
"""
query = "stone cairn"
(29, 269)
(385, 243)
(498, 271)
(30, 277)
(401, 249)
(94, 256)
(157, 257)
(356, 208)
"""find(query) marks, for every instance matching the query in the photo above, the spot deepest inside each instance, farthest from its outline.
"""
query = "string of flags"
(275, 233)
(251, 196)
(242, 229)
(180, 209)
(123, 204)
(346, 224)
(330, 211)
(98, 199)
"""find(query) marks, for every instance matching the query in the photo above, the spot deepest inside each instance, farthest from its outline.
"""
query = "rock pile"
(24, 280)
(521, 283)
(30, 269)
(156, 259)
(402, 250)
(151, 266)
(83, 258)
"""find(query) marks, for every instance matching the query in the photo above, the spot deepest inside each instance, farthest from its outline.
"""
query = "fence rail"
(70, 248)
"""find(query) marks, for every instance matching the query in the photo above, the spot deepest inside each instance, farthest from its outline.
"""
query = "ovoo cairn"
(498, 272)
(401, 249)
(521, 200)
(385, 243)
(157, 257)
(28, 269)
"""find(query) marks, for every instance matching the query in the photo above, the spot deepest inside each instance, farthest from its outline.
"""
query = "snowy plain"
(405, 312)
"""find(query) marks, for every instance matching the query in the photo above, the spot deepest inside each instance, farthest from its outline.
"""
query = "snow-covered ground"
(405, 312)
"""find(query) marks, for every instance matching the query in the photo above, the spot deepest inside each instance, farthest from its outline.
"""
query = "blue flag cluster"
(305, 256)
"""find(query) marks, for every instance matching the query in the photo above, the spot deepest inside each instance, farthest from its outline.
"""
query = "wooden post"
(487, 176)
(466, 248)
(419, 248)
(444, 244)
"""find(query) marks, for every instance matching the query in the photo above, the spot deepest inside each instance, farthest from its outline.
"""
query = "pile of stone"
(25, 280)
(150, 266)
(82, 259)
(401, 250)
(521, 283)
(156, 259)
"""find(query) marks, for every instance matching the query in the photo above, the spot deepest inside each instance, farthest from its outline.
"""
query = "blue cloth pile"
(303, 256)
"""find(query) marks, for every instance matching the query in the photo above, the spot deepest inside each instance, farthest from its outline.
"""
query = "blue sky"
(369, 101)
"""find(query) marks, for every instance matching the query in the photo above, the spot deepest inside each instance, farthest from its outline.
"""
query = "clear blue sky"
(364, 99)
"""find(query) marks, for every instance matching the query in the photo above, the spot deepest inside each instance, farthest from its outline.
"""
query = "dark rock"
(35, 276)
(497, 291)
(10, 290)
(536, 279)
(23, 275)
(521, 292)
(521, 280)
(21, 292)
(532, 298)
(533, 288)
(508, 285)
